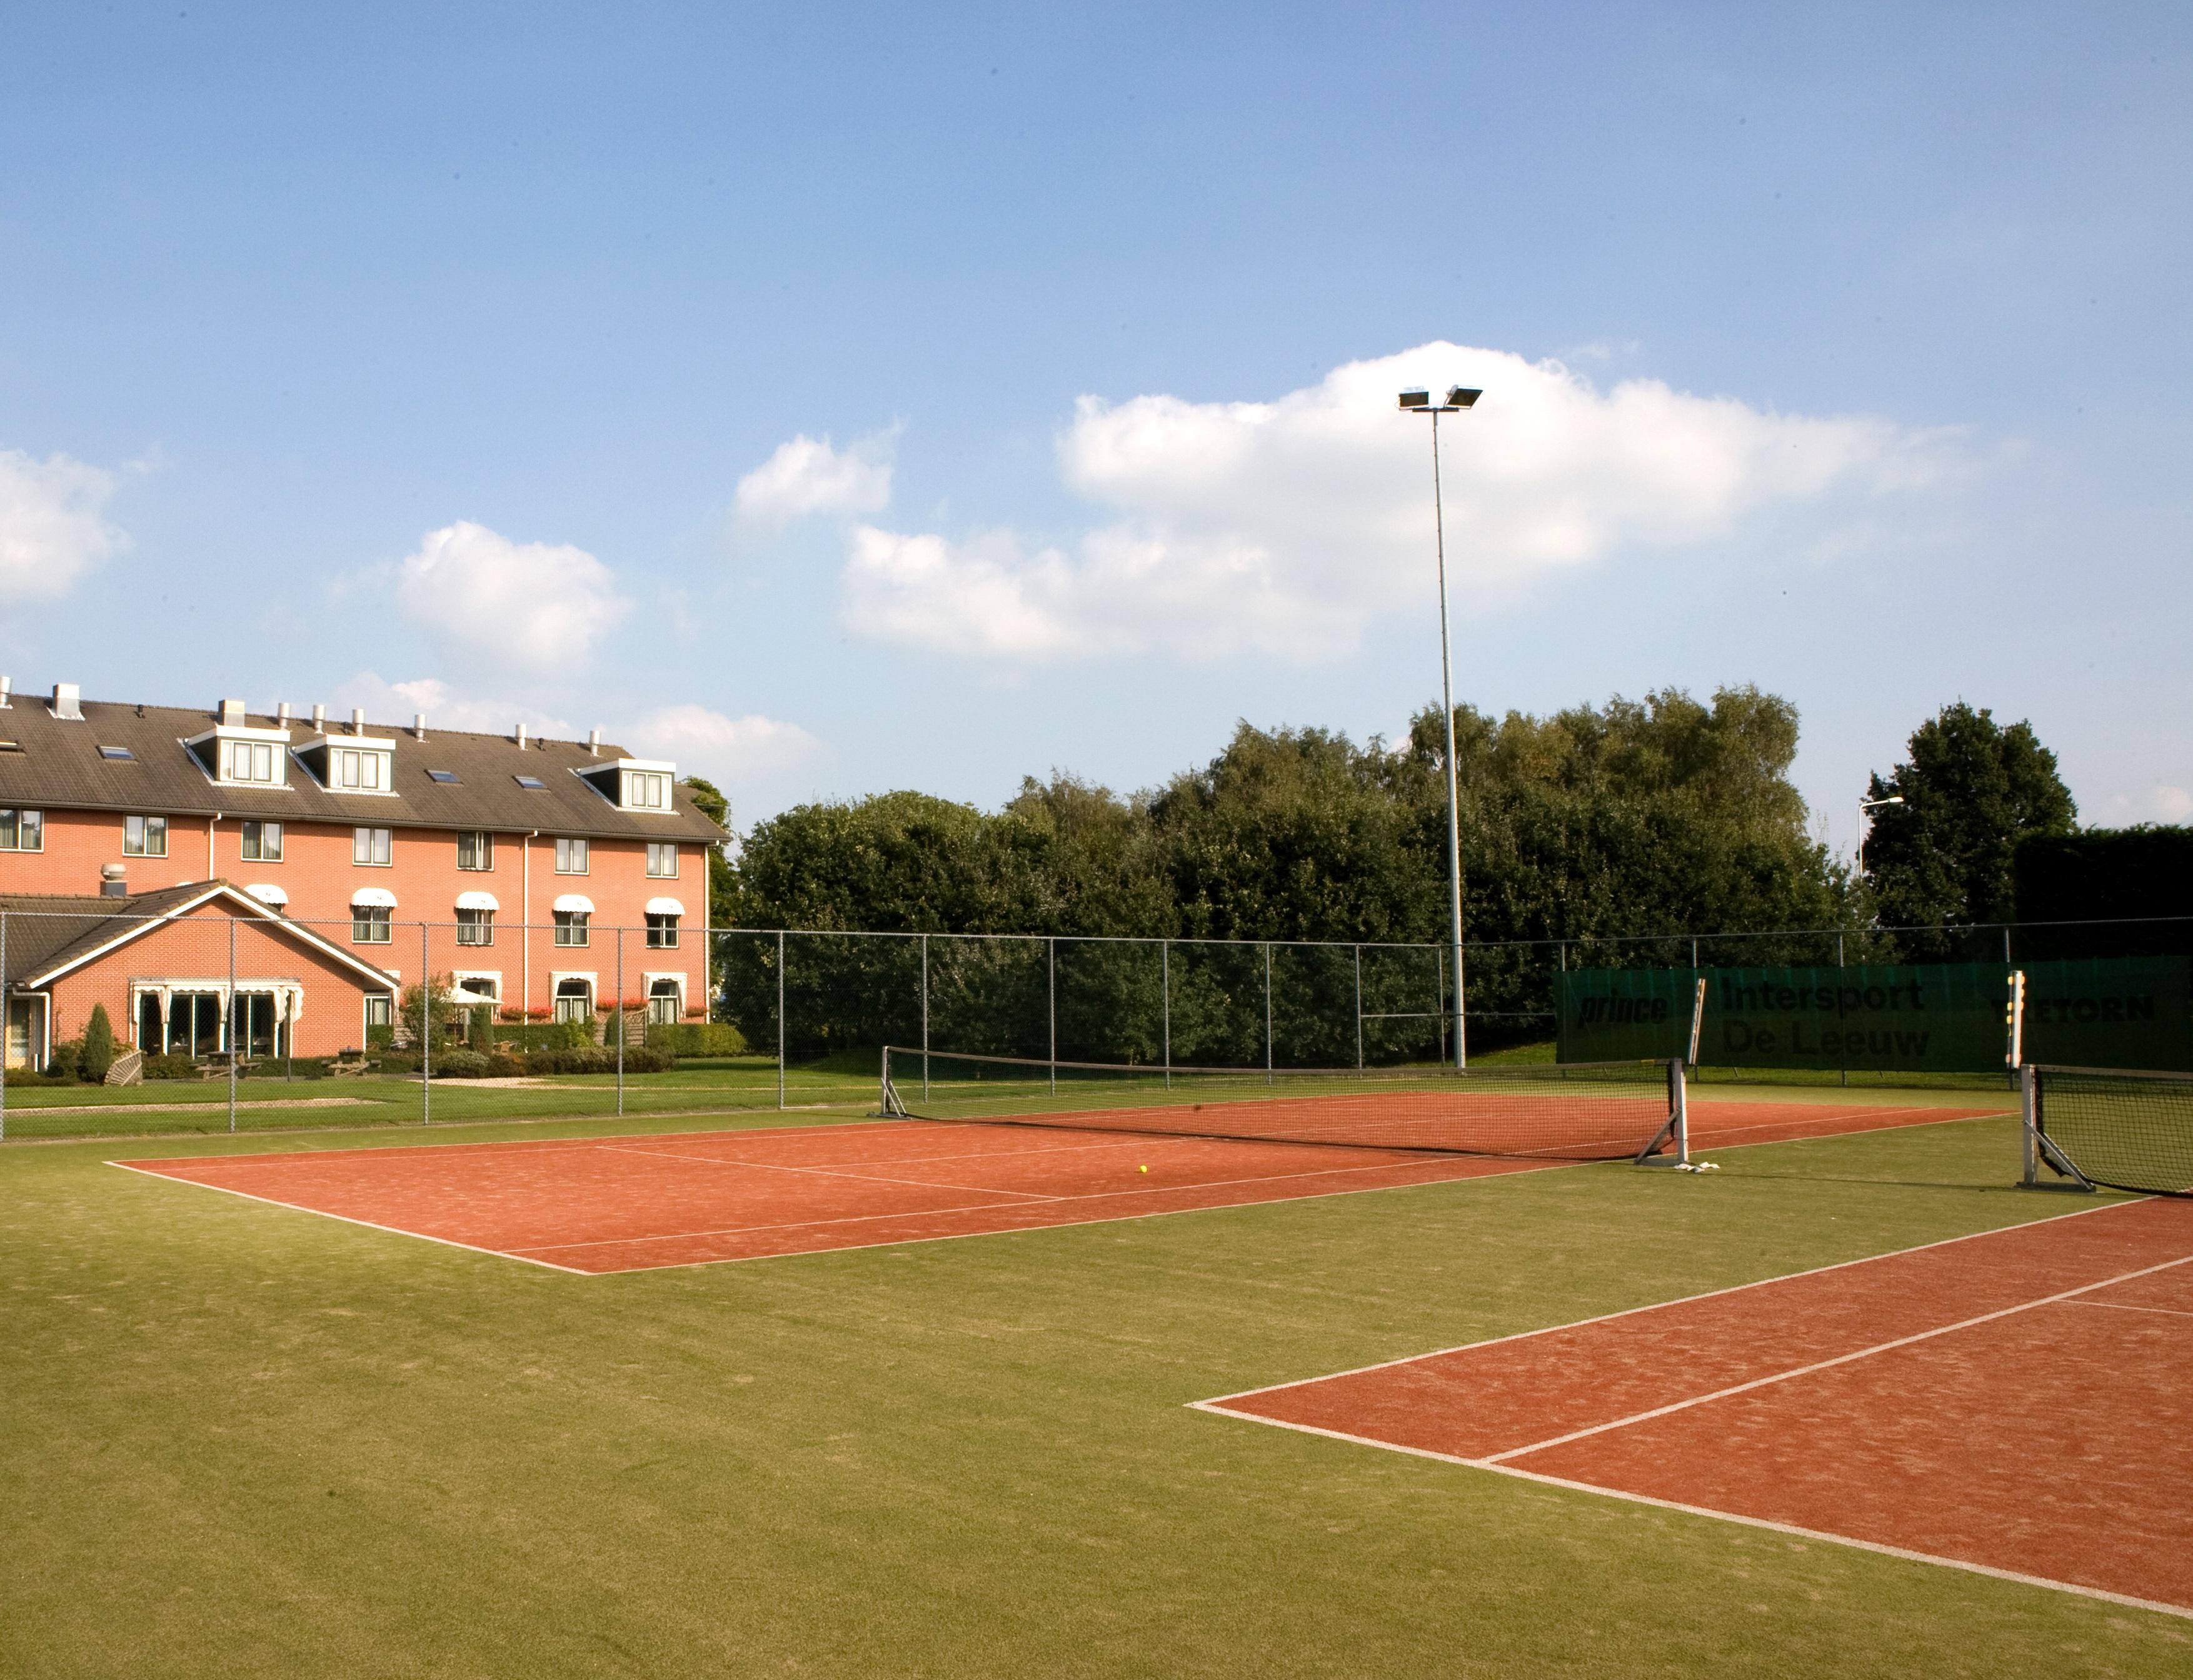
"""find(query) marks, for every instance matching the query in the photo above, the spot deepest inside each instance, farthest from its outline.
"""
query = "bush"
(67, 1061)
(460, 1065)
(480, 1029)
(97, 1056)
(601, 1058)
(396, 1062)
(698, 1038)
(379, 1038)
(174, 1067)
(561, 1035)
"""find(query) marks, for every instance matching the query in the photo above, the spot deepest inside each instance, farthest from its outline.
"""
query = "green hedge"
(698, 1038)
(544, 1035)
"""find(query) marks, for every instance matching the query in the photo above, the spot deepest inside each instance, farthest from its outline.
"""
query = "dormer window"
(646, 791)
(358, 769)
(635, 784)
(248, 760)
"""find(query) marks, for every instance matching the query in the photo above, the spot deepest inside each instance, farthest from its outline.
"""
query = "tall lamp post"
(1459, 397)
(1864, 806)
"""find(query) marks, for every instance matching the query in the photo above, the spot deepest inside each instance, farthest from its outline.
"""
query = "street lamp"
(1458, 398)
(1864, 806)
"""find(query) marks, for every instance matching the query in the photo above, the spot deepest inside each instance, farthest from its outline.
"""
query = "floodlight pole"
(1458, 400)
(1864, 806)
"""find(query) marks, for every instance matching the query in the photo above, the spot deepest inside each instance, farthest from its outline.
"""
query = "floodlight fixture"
(1462, 396)
(1416, 399)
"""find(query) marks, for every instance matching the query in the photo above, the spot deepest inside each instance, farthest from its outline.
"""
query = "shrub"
(172, 1066)
(67, 1061)
(480, 1031)
(396, 1062)
(562, 1035)
(460, 1065)
(513, 1014)
(97, 1055)
(379, 1038)
(698, 1038)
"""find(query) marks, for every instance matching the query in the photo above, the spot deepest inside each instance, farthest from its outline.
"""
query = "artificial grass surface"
(239, 1439)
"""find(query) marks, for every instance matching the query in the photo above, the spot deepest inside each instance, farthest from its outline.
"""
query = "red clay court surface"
(2019, 1402)
(692, 1198)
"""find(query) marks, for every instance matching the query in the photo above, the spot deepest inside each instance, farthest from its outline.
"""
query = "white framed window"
(571, 855)
(262, 841)
(663, 860)
(372, 846)
(475, 848)
(144, 836)
(475, 927)
(369, 924)
(646, 791)
(575, 1000)
(666, 1001)
(359, 769)
(662, 932)
(22, 831)
(248, 761)
(380, 1010)
(573, 926)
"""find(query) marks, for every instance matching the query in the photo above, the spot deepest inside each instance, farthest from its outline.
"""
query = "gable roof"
(60, 767)
(50, 935)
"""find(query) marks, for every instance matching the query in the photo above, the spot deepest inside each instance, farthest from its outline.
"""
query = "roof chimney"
(68, 701)
(521, 737)
(594, 742)
(113, 881)
(282, 714)
(6, 683)
(232, 711)
(418, 724)
(358, 720)
(319, 720)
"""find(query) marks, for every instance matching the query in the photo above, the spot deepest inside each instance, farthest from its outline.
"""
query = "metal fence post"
(426, 1025)
(925, 1017)
(2006, 942)
(1050, 1004)
(1165, 986)
(1438, 955)
(7, 1027)
(1359, 1008)
(619, 1021)
(1694, 951)
(780, 1018)
(1268, 1012)
(232, 1023)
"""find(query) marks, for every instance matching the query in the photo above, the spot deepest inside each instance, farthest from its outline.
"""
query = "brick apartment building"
(231, 877)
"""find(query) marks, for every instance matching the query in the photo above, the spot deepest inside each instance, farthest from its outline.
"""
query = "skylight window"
(449, 778)
(531, 784)
(120, 754)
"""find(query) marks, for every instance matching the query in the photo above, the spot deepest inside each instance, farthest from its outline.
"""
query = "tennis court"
(2013, 1402)
(639, 1203)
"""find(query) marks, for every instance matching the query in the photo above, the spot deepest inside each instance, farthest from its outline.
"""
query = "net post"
(425, 1029)
(2039, 1149)
(1679, 1097)
(2028, 1130)
(231, 1023)
(7, 1027)
(1359, 1008)
(780, 1018)
(2015, 1021)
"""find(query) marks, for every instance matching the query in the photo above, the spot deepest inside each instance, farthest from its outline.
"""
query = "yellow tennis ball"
(1144, 1170)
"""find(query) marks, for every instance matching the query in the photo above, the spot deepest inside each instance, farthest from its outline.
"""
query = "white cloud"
(720, 747)
(1285, 525)
(533, 605)
(397, 703)
(2162, 803)
(53, 524)
(807, 476)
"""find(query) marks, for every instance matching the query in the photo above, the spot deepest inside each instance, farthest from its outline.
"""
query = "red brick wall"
(196, 946)
(318, 875)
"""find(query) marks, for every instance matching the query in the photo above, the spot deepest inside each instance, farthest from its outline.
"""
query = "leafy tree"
(723, 879)
(1972, 790)
(97, 1055)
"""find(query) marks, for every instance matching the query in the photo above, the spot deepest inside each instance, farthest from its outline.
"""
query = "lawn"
(246, 1440)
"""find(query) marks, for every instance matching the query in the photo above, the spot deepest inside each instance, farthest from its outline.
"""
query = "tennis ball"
(1144, 1170)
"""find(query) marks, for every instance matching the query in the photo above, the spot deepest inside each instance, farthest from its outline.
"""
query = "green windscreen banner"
(2132, 1012)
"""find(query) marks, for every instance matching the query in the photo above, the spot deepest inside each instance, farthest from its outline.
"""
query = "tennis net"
(1579, 1111)
(2107, 1126)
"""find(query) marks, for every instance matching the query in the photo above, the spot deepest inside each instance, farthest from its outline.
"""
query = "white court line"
(2127, 1306)
(393, 1230)
(829, 1173)
(1820, 1365)
(1906, 1553)
(1712, 1133)
(1656, 1307)
(1007, 1207)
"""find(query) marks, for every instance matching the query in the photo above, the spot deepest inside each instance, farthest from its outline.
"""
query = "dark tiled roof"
(47, 929)
(60, 767)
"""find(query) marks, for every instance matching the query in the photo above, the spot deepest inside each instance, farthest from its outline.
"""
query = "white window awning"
(477, 902)
(578, 901)
(665, 907)
(378, 896)
(266, 893)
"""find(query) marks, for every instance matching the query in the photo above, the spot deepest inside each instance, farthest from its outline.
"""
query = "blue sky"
(845, 399)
